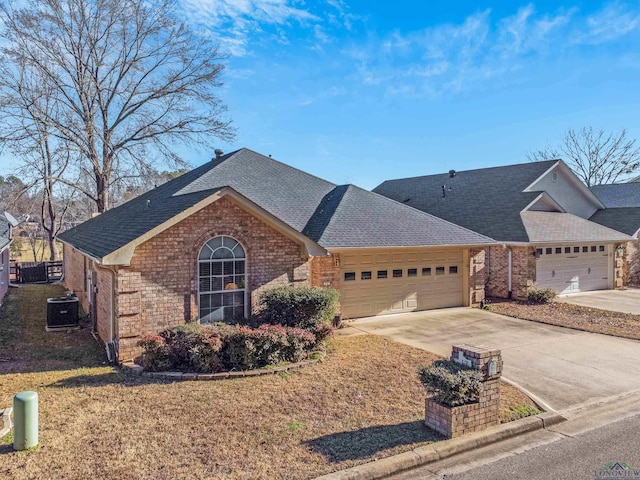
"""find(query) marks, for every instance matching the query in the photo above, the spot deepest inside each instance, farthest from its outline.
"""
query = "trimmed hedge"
(301, 307)
(451, 384)
(196, 348)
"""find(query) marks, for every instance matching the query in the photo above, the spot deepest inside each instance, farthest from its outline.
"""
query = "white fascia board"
(124, 254)
(86, 254)
(573, 178)
(406, 247)
(546, 197)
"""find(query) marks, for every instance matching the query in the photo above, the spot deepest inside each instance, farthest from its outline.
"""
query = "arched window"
(221, 281)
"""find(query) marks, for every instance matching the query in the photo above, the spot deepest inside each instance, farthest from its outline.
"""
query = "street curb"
(447, 448)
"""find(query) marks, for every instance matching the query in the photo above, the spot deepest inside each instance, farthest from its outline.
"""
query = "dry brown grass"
(588, 319)
(42, 250)
(363, 402)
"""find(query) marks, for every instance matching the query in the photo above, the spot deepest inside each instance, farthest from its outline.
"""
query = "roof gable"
(561, 183)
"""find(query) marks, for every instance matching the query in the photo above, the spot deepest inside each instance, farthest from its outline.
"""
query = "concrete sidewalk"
(559, 367)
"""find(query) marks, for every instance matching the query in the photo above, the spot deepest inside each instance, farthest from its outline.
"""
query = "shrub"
(322, 331)
(450, 383)
(302, 307)
(540, 295)
(186, 348)
(155, 356)
(191, 348)
(300, 342)
(195, 348)
(271, 343)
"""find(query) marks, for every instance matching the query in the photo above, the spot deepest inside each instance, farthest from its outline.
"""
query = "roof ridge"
(286, 165)
(475, 170)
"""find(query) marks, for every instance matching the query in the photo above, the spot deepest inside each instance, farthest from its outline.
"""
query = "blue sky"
(360, 91)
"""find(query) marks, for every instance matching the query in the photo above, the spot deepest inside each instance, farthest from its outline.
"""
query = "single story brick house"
(622, 212)
(203, 246)
(541, 214)
(6, 225)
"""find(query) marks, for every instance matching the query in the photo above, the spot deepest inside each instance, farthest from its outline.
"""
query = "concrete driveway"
(626, 301)
(559, 367)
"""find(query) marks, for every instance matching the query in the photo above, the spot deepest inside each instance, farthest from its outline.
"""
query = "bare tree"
(129, 80)
(596, 157)
(44, 157)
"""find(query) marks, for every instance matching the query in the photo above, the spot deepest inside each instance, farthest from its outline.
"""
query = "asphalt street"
(583, 456)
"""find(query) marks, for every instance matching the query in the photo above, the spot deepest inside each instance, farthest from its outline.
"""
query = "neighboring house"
(203, 246)
(622, 212)
(539, 212)
(6, 224)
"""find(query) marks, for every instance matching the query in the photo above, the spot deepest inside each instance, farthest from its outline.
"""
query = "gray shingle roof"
(352, 217)
(5, 229)
(330, 215)
(625, 220)
(487, 201)
(565, 227)
(618, 195)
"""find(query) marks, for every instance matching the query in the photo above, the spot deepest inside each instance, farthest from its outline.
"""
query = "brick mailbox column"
(456, 421)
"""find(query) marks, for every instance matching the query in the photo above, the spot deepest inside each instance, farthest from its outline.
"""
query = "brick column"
(456, 421)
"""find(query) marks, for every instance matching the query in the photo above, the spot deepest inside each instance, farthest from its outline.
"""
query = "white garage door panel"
(361, 297)
(573, 272)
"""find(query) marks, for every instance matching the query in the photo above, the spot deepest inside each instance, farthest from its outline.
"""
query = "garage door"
(377, 283)
(573, 269)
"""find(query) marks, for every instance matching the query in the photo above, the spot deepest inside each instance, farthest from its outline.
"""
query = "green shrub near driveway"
(302, 307)
(450, 383)
(540, 295)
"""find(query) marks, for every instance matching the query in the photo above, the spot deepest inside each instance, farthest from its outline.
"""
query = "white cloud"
(232, 22)
(612, 22)
(482, 49)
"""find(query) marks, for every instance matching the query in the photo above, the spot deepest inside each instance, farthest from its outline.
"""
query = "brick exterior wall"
(325, 273)
(477, 275)
(523, 271)
(632, 264)
(453, 422)
(159, 289)
(102, 278)
(620, 265)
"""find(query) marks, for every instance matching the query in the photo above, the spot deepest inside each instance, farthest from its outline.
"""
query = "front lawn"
(363, 402)
(589, 319)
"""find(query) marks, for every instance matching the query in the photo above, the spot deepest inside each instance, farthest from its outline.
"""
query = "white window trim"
(246, 276)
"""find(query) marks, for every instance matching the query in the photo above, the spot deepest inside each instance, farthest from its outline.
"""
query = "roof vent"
(452, 173)
(444, 191)
(219, 153)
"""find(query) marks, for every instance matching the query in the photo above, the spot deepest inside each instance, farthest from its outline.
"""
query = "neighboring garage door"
(376, 283)
(573, 269)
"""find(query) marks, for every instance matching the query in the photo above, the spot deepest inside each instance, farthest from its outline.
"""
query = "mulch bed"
(588, 319)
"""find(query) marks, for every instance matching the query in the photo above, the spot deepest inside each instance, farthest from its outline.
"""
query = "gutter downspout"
(510, 292)
(112, 344)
